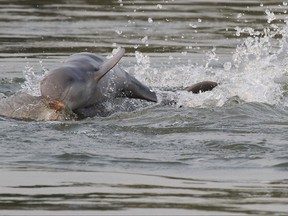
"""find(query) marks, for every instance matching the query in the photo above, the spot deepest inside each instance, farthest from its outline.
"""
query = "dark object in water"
(201, 87)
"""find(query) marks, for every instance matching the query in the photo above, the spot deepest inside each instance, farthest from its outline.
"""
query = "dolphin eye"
(70, 79)
(96, 69)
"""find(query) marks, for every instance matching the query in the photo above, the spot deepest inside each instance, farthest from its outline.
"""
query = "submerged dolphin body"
(87, 80)
(27, 107)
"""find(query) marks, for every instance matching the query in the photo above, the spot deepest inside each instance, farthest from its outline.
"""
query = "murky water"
(216, 153)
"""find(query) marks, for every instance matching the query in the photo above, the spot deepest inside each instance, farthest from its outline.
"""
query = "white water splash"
(32, 79)
(143, 71)
(258, 64)
(257, 72)
(270, 16)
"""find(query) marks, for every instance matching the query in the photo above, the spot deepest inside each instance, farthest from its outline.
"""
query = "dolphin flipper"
(108, 64)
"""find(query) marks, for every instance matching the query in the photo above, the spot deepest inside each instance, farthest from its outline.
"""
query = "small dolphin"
(87, 79)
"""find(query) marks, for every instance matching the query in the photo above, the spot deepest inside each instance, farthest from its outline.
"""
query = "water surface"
(217, 153)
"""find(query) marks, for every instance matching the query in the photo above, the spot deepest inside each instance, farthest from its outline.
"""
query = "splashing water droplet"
(227, 66)
(32, 79)
(211, 56)
(120, 2)
(192, 25)
(159, 6)
(145, 40)
(119, 32)
(270, 16)
(238, 31)
(239, 15)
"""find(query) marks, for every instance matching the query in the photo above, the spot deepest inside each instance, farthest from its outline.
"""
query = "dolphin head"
(63, 89)
(71, 85)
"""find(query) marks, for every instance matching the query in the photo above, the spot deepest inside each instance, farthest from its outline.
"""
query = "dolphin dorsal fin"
(108, 64)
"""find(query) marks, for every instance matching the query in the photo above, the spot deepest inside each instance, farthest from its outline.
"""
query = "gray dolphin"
(86, 80)
(79, 88)
(25, 106)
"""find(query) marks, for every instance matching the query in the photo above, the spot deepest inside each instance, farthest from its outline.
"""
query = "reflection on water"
(122, 191)
(220, 152)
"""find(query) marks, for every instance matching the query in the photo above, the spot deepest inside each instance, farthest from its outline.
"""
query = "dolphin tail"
(135, 89)
(108, 64)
